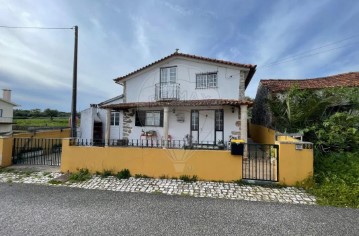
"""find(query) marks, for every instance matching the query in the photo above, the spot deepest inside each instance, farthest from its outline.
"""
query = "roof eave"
(252, 70)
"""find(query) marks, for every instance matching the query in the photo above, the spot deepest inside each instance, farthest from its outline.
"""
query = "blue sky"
(286, 39)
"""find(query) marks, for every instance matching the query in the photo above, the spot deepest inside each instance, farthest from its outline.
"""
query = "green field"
(42, 122)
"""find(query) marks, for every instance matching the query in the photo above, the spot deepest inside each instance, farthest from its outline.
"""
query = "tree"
(35, 112)
(297, 108)
(51, 113)
(326, 117)
(340, 132)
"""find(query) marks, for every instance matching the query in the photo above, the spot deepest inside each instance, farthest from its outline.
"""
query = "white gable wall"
(142, 87)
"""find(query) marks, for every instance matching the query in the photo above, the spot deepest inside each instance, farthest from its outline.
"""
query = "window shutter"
(161, 118)
(140, 118)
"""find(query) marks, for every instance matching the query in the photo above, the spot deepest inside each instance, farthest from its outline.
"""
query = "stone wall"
(127, 121)
(261, 114)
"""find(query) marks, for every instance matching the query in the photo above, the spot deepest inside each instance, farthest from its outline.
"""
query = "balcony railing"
(6, 120)
(167, 91)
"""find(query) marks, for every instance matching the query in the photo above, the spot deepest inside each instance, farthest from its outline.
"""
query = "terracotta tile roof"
(207, 102)
(177, 54)
(350, 79)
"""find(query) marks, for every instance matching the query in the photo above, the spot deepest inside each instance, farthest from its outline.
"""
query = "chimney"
(7, 95)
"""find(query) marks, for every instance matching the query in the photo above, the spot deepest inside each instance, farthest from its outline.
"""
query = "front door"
(115, 125)
(206, 126)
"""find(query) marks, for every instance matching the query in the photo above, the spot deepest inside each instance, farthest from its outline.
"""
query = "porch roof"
(207, 102)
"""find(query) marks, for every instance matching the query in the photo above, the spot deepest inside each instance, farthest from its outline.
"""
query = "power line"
(34, 27)
(307, 55)
(310, 52)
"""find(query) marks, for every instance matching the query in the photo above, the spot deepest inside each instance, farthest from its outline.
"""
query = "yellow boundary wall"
(6, 151)
(261, 134)
(294, 165)
(154, 162)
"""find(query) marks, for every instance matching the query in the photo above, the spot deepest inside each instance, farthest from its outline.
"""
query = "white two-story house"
(179, 98)
(6, 113)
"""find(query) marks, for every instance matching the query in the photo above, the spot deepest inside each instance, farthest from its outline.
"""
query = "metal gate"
(37, 151)
(260, 162)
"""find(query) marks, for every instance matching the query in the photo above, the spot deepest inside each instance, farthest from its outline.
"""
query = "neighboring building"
(179, 97)
(93, 121)
(6, 113)
(261, 114)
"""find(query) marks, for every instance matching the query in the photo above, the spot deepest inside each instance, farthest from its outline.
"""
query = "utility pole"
(74, 89)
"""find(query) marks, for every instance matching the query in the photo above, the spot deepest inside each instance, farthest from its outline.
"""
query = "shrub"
(141, 176)
(106, 173)
(81, 175)
(187, 178)
(164, 177)
(124, 174)
(55, 182)
(336, 179)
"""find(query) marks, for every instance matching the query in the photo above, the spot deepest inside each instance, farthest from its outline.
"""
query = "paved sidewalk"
(171, 187)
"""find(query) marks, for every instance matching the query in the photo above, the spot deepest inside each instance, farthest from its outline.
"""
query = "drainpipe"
(165, 125)
(107, 131)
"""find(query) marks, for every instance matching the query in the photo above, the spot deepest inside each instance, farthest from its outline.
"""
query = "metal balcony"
(167, 91)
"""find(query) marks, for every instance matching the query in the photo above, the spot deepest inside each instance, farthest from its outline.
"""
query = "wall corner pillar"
(165, 126)
(107, 129)
(244, 126)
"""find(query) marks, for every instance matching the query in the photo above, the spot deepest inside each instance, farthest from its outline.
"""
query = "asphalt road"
(28, 209)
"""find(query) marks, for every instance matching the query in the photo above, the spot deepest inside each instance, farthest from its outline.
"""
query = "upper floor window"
(0, 112)
(206, 80)
(168, 74)
(115, 118)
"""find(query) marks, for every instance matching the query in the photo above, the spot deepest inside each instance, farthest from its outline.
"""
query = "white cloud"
(117, 37)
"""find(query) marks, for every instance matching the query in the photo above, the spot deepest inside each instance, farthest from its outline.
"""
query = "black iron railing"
(146, 143)
(261, 162)
(167, 91)
(37, 151)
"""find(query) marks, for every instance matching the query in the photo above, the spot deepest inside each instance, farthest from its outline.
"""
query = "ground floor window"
(219, 120)
(115, 118)
(149, 118)
(194, 120)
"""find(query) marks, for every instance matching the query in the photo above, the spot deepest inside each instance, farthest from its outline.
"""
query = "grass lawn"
(43, 122)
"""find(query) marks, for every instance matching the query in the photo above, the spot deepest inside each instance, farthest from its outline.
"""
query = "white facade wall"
(88, 118)
(142, 87)
(178, 130)
(6, 117)
(86, 125)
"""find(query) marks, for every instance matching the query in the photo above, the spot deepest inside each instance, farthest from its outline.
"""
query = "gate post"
(6, 146)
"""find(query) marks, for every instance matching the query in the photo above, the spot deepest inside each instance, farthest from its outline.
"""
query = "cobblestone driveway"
(171, 187)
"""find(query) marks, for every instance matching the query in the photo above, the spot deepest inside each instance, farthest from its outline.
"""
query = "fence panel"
(36, 151)
(260, 162)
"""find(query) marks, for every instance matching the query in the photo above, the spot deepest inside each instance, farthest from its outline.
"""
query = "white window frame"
(168, 75)
(115, 118)
(207, 80)
(153, 118)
